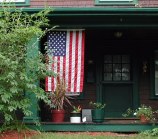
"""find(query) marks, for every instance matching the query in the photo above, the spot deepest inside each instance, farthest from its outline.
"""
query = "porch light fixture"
(118, 34)
(145, 67)
(90, 61)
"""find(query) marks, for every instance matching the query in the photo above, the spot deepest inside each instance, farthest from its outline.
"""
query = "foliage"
(153, 132)
(76, 108)
(58, 97)
(142, 110)
(97, 105)
(20, 68)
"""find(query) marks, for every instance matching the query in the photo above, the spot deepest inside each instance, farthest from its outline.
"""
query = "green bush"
(20, 68)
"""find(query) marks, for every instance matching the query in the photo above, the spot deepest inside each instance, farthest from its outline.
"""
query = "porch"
(128, 92)
(110, 125)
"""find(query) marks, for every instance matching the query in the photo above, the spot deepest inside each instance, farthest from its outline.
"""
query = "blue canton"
(57, 43)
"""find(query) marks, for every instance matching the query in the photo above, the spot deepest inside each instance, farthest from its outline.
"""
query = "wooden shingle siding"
(62, 3)
(84, 3)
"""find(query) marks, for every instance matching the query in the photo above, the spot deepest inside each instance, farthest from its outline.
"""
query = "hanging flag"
(67, 51)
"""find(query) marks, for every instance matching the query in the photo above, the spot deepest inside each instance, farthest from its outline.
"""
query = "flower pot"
(75, 117)
(58, 115)
(98, 115)
(143, 119)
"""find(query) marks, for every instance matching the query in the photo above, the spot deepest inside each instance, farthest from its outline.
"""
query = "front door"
(117, 83)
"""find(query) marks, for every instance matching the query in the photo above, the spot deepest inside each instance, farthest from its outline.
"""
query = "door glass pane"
(125, 76)
(125, 68)
(108, 76)
(125, 59)
(116, 67)
(108, 68)
(116, 59)
(116, 76)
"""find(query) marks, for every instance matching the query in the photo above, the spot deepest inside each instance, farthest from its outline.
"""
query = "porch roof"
(101, 17)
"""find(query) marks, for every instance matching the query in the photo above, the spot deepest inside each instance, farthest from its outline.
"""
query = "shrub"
(20, 69)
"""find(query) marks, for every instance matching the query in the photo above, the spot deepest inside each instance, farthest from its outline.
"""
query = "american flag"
(67, 51)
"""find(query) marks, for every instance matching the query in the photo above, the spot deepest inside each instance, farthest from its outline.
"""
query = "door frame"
(135, 77)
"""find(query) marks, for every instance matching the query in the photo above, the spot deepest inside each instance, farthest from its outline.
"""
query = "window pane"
(108, 68)
(125, 59)
(125, 68)
(125, 76)
(116, 67)
(117, 76)
(117, 59)
(156, 73)
(107, 76)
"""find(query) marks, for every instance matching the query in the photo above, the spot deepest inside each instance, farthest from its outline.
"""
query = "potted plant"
(75, 115)
(58, 100)
(98, 111)
(144, 113)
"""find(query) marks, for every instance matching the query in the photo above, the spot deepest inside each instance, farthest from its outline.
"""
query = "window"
(156, 72)
(117, 2)
(117, 68)
(154, 75)
(18, 2)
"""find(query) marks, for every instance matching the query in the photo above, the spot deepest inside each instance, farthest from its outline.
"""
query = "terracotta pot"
(143, 119)
(58, 115)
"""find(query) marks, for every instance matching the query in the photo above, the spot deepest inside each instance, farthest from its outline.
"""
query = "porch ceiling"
(103, 17)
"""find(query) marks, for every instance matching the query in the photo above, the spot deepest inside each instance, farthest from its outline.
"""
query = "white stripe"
(73, 61)
(79, 61)
(49, 79)
(55, 70)
(61, 67)
(67, 58)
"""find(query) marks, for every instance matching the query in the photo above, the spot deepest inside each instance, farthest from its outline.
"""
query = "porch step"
(107, 126)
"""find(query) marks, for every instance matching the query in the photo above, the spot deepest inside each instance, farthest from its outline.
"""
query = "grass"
(85, 135)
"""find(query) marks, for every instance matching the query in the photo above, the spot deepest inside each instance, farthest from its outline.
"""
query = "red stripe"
(46, 84)
(52, 83)
(82, 61)
(58, 68)
(70, 61)
(76, 62)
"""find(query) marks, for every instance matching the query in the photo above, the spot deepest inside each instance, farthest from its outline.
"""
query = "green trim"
(116, 2)
(99, 96)
(95, 10)
(135, 82)
(34, 108)
(92, 127)
(101, 17)
(25, 3)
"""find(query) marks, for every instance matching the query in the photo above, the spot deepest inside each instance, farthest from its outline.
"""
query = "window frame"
(116, 2)
(25, 3)
(121, 63)
(152, 75)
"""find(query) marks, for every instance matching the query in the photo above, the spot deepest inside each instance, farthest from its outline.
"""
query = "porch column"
(34, 107)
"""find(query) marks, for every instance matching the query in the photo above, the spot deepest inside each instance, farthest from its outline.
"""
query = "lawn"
(89, 135)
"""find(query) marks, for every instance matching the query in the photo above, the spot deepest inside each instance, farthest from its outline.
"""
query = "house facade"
(121, 55)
